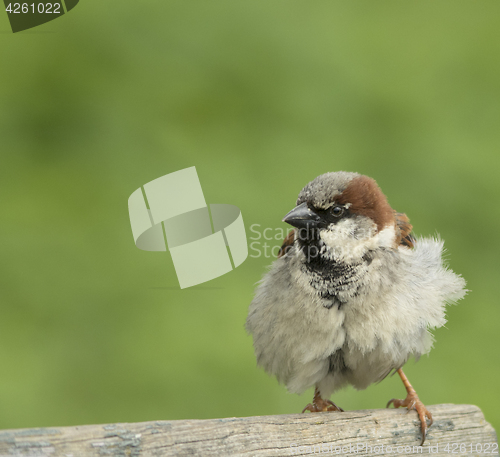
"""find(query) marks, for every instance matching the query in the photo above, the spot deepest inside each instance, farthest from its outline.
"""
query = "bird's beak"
(302, 217)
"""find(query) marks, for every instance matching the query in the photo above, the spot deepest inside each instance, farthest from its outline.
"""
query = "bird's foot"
(413, 402)
(319, 405)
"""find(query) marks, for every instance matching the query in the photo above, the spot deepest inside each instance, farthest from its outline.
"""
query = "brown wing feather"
(287, 243)
(403, 230)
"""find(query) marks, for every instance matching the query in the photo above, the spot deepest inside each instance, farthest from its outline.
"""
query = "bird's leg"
(413, 402)
(319, 404)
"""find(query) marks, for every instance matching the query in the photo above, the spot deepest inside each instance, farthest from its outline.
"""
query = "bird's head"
(343, 215)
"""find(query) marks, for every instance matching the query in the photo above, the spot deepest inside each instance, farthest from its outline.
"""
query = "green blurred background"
(261, 97)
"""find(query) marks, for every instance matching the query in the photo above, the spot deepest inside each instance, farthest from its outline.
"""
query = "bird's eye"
(337, 211)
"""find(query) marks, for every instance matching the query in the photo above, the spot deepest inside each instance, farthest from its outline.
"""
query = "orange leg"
(319, 404)
(413, 402)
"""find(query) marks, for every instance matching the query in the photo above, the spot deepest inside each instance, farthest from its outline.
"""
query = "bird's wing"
(403, 230)
(287, 244)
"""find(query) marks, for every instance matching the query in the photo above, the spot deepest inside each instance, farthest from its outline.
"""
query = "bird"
(351, 296)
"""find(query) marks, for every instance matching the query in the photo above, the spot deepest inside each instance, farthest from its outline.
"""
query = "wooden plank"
(457, 429)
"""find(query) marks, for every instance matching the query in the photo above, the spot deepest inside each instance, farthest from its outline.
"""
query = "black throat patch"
(334, 281)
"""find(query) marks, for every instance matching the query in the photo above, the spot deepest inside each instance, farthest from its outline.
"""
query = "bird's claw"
(322, 406)
(413, 402)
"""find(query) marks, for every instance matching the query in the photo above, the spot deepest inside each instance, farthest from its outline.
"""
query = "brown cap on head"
(361, 192)
(322, 191)
(368, 200)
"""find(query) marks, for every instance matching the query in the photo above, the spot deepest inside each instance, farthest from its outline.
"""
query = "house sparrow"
(352, 295)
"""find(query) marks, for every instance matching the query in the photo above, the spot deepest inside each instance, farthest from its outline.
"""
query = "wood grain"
(366, 432)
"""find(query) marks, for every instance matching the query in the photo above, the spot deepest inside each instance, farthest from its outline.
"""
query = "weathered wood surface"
(457, 429)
